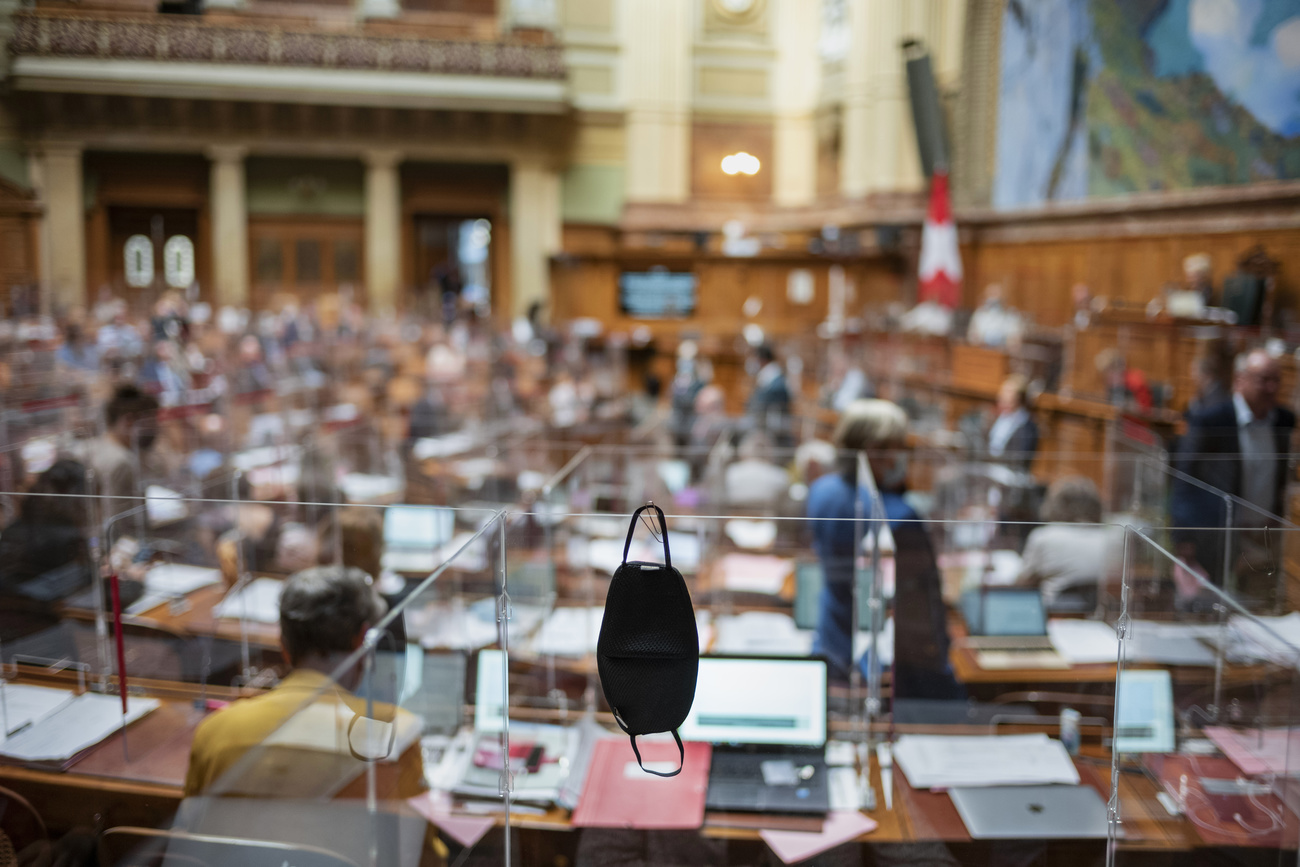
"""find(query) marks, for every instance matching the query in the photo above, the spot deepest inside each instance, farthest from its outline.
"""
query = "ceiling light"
(741, 163)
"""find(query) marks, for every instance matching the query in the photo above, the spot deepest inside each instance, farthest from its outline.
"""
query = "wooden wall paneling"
(1037, 276)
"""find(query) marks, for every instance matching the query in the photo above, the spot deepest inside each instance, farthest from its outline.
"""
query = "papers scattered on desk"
(753, 573)
(539, 760)
(1081, 642)
(442, 447)
(73, 727)
(1162, 643)
(163, 505)
(456, 626)
(1275, 639)
(569, 632)
(605, 555)
(21, 705)
(1255, 751)
(767, 632)
(258, 601)
(840, 827)
(367, 488)
(178, 579)
(263, 456)
(944, 762)
(751, 535)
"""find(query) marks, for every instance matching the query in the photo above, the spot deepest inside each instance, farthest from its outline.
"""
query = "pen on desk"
(22, 728)
(885, 756)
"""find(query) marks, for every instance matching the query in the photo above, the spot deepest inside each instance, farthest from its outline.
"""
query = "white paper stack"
(945, 762)
(1084, 641)
(258, 601)
(73, 727)
(569, 632)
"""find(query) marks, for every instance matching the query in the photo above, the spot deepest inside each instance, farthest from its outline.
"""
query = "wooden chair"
(20, 824)
(127, 846)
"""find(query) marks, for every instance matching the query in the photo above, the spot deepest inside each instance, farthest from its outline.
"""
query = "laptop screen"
(417, 526)
(758, 701)
(1004, 612)
(1144, 712)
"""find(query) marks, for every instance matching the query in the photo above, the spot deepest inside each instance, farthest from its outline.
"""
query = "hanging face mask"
(649, 651)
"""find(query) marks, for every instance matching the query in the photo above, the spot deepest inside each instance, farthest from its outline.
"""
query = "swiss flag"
(940, 271)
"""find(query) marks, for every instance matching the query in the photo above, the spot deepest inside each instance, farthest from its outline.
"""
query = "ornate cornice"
(191, 40)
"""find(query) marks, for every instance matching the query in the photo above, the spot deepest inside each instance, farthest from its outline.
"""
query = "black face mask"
(649, 651)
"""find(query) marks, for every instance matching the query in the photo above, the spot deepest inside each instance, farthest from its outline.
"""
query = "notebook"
(618, 794)
(1031, 812)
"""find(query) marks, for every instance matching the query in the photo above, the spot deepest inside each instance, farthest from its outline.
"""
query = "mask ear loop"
(681, 750)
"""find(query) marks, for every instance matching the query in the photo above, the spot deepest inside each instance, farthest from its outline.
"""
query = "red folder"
(618, 794)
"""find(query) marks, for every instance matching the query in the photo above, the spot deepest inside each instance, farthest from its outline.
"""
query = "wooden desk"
(199, 619)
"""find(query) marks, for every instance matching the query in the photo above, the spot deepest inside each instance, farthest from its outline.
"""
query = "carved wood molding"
(190, 40)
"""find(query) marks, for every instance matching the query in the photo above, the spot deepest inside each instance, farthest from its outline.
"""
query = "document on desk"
(1165, 643)
(369, 488)
(1084, 641)
(766, 632)
(944, 761)
(1255, 751)
(21, 705)
(258, 601)
(178, 579)
(73, 728)
(753, 573)
(840, 827)
(569, 632)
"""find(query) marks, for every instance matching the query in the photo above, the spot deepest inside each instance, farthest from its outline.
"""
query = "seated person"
(325, 613)
(43, 552)
(1066, 559)
(753, 479)
(921, 667)
(1014, 435)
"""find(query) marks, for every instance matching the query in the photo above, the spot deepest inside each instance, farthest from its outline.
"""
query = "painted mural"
(1107, 97)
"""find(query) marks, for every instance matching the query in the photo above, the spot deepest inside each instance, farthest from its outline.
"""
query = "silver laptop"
(1005, 618)
(1031, 812)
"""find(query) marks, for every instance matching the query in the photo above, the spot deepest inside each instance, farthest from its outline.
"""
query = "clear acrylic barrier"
(392, 757)
(1205, 710)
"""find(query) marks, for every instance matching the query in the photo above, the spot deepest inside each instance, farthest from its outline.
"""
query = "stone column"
(227, 198)
(796, 77)
(58, 182)
(534, 233)
(383, 229)
(657, 65)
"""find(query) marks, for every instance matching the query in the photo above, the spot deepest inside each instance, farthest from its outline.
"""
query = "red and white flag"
(940, 270)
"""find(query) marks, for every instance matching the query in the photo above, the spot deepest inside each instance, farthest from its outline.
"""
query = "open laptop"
(1144, 712)
(766, 719)
(1031, 812)
(1005, 619)
(413, 535)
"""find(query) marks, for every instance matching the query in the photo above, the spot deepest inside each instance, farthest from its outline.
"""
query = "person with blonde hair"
(878, 429)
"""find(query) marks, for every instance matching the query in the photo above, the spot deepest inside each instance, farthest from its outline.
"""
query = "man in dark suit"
(768, 407)
(1013, 438)
(1240, 448)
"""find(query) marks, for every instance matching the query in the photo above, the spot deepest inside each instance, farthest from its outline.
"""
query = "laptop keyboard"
(1010, 642)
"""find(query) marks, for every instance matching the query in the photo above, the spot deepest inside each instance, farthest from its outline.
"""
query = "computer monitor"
(423, 527)
(434, 688)
(489, 707)
(758, 700)
(1004, 611)
(1144, 712)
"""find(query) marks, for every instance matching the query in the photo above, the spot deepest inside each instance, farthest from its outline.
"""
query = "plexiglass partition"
(1205, 705)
